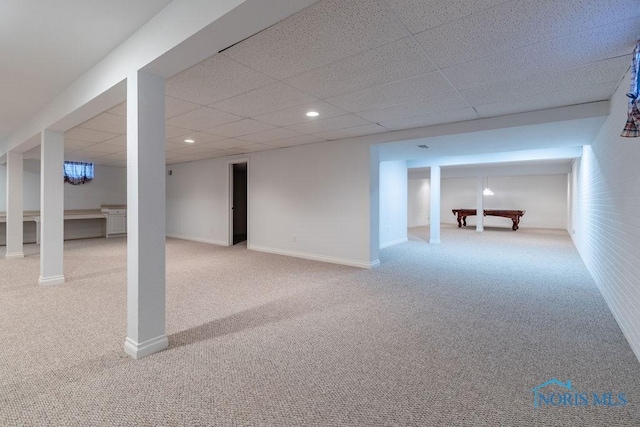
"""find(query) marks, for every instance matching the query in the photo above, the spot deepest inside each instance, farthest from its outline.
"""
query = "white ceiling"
(46, 45)
(373, 66)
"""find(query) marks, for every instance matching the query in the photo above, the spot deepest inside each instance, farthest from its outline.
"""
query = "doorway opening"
(239, 211)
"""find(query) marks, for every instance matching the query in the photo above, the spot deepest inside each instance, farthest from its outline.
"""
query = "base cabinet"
(116, 222)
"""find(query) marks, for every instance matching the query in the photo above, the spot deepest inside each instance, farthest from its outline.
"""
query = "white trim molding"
(197, 239)
(314, 257)
(14, 255)
(145, 348)
(50, 281)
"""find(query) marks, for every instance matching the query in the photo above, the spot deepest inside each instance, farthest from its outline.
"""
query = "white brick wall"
(606, 216)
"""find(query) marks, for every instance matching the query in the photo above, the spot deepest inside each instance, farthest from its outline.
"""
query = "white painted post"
(434, 223)
(146, 226)
(480, 205)
(51, 208)
(15, 172)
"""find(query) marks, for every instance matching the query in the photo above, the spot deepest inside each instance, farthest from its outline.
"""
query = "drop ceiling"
(46, 45)
(376, 66)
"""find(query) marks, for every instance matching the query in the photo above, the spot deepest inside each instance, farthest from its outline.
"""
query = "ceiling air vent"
(426, 147)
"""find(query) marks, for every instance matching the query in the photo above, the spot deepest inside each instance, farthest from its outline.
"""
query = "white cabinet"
(116, 221)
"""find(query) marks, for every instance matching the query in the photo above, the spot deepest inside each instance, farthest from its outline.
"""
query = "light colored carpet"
(455, 334)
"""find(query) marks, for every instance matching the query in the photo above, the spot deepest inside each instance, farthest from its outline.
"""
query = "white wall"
(108, 187)
(543, 197)
(606, 219)
(198, 201)
(456, 193)
(311, 201)
(418, 202)
(393, 203)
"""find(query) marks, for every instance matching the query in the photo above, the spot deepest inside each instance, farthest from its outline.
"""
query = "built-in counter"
(108, 221)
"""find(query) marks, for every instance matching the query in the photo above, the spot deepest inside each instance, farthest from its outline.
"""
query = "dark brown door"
(239, 202)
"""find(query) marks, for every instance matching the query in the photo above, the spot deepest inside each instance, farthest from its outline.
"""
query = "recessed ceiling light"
(313, 114)
(189, 141)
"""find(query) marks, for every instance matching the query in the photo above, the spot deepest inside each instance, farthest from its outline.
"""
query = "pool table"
(514, 215)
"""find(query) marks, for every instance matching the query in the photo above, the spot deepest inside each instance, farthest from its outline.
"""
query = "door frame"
(230, 164)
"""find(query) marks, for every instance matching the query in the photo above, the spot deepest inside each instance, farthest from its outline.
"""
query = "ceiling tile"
(419, 15)
(194, 149)
(431, 119)
(241, 127)
(202, 118)
(251, 148)
(226, 143)
(451, 101)
(173, 132)
(118, 140)
(517, 24)
(72, 144)
(114, 156)
(175, 107)
(274, 97)
(107, 122)
(198, 137)
(400, 92)
(325, 32)
(103, 148)
(593, 93)
(331, 123)
(172, 146)
(297, 114)
(83, 156)
(213, 80)
(351, 132)
(88, 135)
(296, 140)
(577, 49)
(270, 135)
(395, 61)
(120, 109)
(577, 78)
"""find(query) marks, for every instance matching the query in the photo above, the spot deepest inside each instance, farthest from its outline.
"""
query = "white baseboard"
(314, 257)
(14, 255)
(393, 242)
(198, 239)
(145, 348)
(50, 281)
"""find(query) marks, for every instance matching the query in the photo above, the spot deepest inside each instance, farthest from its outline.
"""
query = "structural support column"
(434, 222)
(51, 208)
(480, 205)
(146, 226)
(15, 172)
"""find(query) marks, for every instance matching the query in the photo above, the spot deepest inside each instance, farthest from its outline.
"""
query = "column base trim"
(50, 281)
(14, 255)
(145, 348)
(434, 241)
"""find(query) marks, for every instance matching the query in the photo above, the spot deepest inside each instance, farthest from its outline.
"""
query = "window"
(632, 127)
(76, 173)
